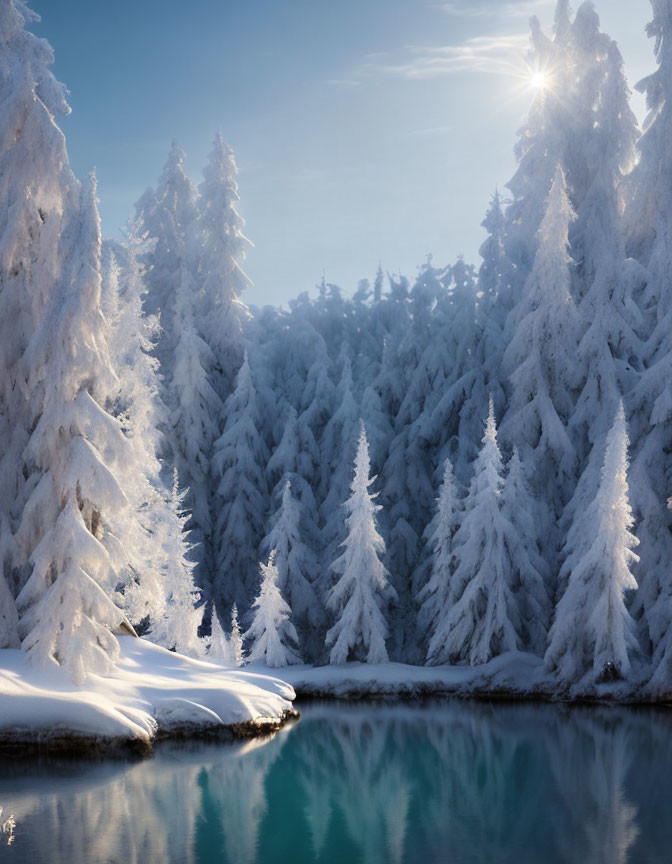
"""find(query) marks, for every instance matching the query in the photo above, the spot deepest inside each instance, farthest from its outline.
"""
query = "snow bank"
(151, 691)
(514, 673)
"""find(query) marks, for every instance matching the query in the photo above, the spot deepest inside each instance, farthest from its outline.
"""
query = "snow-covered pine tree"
(9, 617)
(38, 194)
(240, 457)
(158, 533)
(648, 221)
(484, 619)
(296, 455)
(456, 331)
(219, 647)
(650, 405)
(338, 446)
(540, 146)
(378, 425)
(540, 357)
(222, 250)
(593, 634)
(167, 221)
(496, 281)
(178, 624)
(236, 639)
(76, 509)
(271, 635)
(296, 564)
(195, 417)
(435, 594)
(359, 597)
(531, 573)
(401, 554)
(610, 352)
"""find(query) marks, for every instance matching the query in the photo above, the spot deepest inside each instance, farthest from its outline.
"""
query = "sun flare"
(538, 81)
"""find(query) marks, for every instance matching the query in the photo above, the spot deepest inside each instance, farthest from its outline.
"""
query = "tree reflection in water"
(445, 782)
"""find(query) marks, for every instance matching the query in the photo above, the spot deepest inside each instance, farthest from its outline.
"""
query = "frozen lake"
(450, 782)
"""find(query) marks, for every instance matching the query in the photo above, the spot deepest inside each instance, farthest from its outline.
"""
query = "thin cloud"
(490, 54)
(516, 9)
(432, 131)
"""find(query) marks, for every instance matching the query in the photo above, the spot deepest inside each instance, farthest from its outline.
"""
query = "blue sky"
(365, 130)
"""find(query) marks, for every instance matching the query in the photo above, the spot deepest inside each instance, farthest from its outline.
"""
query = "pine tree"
(540, 147)
(593, 634)
(449, 429)
(76, 508)
(9, 617)
(178, 624)
(158, 532)
(435, 595)
(38, 195)
(240, 455)
(531, 573)
(610, 351)
(540, 356)
(378, 425)
(271, 634)
(219, 647)
(648, 220)
(166, 218)
(650, 405)
(484, 619)
(359, 596)
(496, 299)
(223, 247)
(195, 412)
(295, 560)
(338, 445)
(236, 639)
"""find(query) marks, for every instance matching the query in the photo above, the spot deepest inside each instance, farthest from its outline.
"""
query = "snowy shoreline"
(153, 694)
(515, 676)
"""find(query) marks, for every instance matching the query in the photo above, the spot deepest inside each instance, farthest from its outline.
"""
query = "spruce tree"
(531, 575)
(219, 648)
(610, 351)
(484, 618)
(272, 634)
(159, 531)
(593, 634)
(38, 195)
(338, 445)
(359, 597)
(195, 417)
(240, 456)
(295, 560)
(167, 220)
(435, 595)
(9, 617)
(236, 639)
(649, 220)
(222, 251)
(76, 509)
(540, 357)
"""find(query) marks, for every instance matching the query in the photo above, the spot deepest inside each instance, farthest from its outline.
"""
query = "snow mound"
(513, 673)
(150, 691)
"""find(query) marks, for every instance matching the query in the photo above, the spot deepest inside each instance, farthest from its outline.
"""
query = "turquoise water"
(456, 783)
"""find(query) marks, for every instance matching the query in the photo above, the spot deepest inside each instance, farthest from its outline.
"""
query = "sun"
(538, 81)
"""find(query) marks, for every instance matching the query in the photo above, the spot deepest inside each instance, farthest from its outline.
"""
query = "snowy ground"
(515, 675)
(152, 691)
